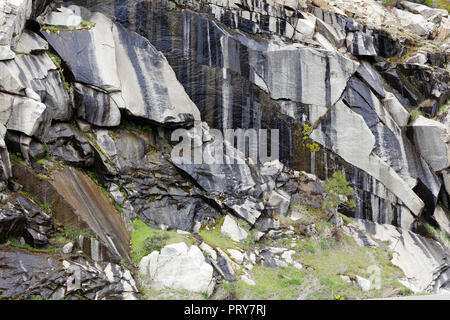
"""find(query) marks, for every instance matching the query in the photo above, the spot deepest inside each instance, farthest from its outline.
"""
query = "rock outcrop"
(106, 92)
(25, 275)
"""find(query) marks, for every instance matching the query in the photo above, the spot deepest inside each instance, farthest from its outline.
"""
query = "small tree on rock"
(337, 191)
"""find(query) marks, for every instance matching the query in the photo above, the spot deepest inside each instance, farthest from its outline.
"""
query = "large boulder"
(178, 267)
(28, 116)
(432, 139)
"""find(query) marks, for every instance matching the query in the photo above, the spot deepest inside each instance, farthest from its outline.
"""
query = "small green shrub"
(415, 114)
(155, 242)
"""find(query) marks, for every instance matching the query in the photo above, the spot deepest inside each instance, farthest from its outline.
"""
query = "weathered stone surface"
(39, 74)
(38, 223)
(30, 43)
(371, 77)
(364, 283)
(343, 122)
(12, 223)
(232, 229)
(423, 10)
(90, 54)
(67, 144)
(63, 17)
(361, 44)
(155, 93)
(178, 267)
(432, 139)
(148, 87)
(96, 107)
(25, 274)
(443, 220)
(78, 203)
(13, 16)
(67, 249)
(29, 117)
(424, 262)
(414, 22)
(396, 110)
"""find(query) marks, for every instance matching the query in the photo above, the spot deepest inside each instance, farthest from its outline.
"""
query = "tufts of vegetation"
(216, 239)
(415, 114)
(442, 4)
(389, 3)
(145, 240)
(85, 25)
(307, 141)
(337, 191)
(58, 63)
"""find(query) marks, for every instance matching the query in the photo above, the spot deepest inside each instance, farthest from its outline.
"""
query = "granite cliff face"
(92, 91)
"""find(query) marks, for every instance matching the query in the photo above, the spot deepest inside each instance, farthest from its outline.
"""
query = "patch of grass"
(141, 246)
(305, 214)
(415, 114)
(388, 3)
(17, 244)
(171, 294)
(17, 157)
(271, 284)
(437, 234)
(73, 234)
(85, 25)
(346, 219)
(332, 259)
(442, 4)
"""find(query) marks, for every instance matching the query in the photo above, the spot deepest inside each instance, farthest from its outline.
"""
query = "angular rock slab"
(150, 88)
(96, 107)
(306, 75)
(29, 117)
(37, 77)
(432, 139)
(29, 42)
(13, 16)
(232, 229)
(344, 125)
(89, 54)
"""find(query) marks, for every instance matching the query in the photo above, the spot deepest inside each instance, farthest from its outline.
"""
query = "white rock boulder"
(178, 267)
